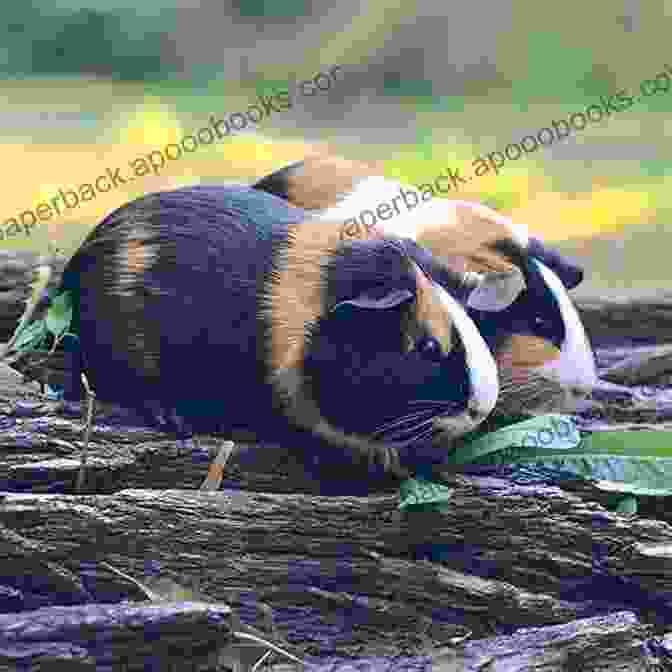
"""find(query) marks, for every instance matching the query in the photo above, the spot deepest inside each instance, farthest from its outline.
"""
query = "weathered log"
(40, 452)
(199, 636)
(641, 368)
(603, 644)
(349, 575)
(627, 320)
(185, 636)
(555, 557)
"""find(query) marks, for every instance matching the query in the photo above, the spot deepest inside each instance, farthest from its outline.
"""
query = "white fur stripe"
(408, 220)
(400, 219)
(576, 364)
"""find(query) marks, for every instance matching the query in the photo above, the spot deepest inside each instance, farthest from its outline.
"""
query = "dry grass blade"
(270, 645)
(216, 470)
(232, 653)
(90, 400)
(148, 593)
(266, 656)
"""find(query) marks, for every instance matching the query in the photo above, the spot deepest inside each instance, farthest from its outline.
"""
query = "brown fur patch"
(295, 301)
(323, 180)
(431, 313)
(296, 295)
(524, 351)
(463, 242)
(137, 257)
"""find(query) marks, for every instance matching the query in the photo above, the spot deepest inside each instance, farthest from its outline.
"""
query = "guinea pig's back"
(169, 289)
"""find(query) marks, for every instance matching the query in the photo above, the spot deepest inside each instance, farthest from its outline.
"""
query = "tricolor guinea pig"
(520, 301)
(220, 308)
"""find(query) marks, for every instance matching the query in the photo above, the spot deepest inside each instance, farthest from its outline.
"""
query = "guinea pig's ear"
(494, 291)
(378, 299)
(379, 269)
(570, 273)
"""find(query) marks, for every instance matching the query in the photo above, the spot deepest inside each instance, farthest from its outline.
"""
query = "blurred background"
(90, 85)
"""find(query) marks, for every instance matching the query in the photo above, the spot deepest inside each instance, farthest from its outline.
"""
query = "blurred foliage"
(394, 85)
(271, 9)
(116, 44)
(556, 71)
(541, 74)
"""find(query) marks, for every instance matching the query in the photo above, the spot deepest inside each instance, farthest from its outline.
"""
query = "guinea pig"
(215, 308)
(520, 304)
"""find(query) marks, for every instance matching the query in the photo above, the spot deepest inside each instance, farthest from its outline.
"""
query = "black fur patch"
(570, 273)
(511, 251)
(277, 183)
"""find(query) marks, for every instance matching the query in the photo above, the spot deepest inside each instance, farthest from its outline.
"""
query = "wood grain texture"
(343, 577)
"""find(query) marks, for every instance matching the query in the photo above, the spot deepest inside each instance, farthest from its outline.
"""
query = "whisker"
(412, 430)
(403, 419)
(427, 432)
(417, 425)
(422, 437)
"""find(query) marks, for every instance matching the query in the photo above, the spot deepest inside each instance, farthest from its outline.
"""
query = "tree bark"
(343, 576)
(356, 560)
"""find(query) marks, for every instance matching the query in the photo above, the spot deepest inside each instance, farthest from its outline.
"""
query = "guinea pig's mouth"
(529, 385)
(526, 391)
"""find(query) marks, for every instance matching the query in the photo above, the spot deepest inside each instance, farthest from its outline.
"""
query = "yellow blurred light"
(256, 155)
(153, 124)
(558, 216)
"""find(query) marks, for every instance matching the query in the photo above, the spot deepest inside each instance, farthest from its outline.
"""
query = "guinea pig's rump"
(167, 292)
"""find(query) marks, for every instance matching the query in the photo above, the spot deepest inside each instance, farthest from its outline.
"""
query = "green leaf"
(539, 434)
(423, 495)
(31, 336)
(59, 315)
(616, 473)
(639, 442)
(631, 463)
(627, 504)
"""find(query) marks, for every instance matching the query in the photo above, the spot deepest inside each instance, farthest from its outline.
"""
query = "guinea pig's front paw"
(424, 457)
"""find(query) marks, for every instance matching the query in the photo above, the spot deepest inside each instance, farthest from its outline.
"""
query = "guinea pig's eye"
(430, 348)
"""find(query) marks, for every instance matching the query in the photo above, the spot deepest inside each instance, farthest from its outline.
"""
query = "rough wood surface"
(604, 644)
(642, 368)
(342, 576)
(101, 637)
(355, 560)
(632, 321)
(198, 636)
